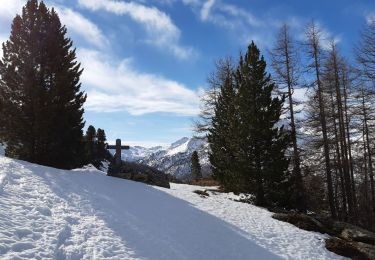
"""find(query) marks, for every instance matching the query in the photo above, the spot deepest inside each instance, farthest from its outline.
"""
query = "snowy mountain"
(174, 159)
(46, 213)
(136, 153)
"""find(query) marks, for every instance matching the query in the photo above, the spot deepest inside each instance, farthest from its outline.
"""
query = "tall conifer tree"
(40, 98)
(91, 144)
(196, 169)
(223, 136)
(263, 143)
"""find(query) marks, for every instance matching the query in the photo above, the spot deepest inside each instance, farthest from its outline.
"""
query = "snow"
(182, 147)
(175, 160)
(47, 213)
(179, 142)
(256, 224)
(135, 153)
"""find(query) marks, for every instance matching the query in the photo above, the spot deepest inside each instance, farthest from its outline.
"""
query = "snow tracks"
(41, 220)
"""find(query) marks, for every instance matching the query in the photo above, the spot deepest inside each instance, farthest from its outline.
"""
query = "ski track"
(53, 227)
(47, 213)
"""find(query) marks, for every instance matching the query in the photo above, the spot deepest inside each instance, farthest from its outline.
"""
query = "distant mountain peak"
(174, 160)
(179, 142)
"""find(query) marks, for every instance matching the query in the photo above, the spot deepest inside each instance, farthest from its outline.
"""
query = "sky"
(146, 62)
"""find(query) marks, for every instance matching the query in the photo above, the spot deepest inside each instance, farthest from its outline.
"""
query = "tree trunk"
(324, 130)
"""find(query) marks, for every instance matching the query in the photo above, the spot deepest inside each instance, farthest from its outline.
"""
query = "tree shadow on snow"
(152, 223)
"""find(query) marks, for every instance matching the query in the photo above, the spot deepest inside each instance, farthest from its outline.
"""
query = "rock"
(350, 241)
(367, 249)
(202, 193)
(140, 173)
(354, 250)
(358, 234)
(302, 221)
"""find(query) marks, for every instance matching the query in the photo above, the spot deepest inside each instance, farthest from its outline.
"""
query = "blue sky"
(147, 61)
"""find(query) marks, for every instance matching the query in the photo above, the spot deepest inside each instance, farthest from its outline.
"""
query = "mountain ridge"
(174, 159)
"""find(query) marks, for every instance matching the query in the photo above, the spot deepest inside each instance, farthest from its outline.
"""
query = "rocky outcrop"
(354, 250)
(302, 221)
(349, 249)
(202, 193)
(140, 173)
(356, 234)
(347, 239)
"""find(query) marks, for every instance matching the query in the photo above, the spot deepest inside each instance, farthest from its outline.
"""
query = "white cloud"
(81, 26)
(239, 21)
(9, 8)
(75, 22)
(3, 38)
(206, 9)
(118, 87)
(223, 14)
(370, 18)
(227, 15)
(160, 28)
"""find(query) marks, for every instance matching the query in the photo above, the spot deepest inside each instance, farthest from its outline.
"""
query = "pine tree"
(40, 99)
(196, 170)
(101, 139)
(91, 145)
(95, 147)
(223, 137)
(263, 144)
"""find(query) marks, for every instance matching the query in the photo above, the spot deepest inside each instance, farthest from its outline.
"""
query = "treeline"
(316, 155)
(41, 104)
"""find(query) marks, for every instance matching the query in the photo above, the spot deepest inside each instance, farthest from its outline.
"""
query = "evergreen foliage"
(223, 135)
(263, 143)
(101, 139)
(247, 145)
(41, 103)
(91, 145)
(95, 147)
(195, 166)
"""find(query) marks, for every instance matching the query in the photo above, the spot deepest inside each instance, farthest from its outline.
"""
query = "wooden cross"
(118, 148)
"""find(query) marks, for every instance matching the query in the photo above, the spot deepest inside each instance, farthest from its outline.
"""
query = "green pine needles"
(41, 104)
(247, 143)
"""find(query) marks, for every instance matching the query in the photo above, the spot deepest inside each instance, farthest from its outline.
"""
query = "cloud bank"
(161, 30)
(119, 87)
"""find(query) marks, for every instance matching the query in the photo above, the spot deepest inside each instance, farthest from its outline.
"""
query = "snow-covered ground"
(47, 213)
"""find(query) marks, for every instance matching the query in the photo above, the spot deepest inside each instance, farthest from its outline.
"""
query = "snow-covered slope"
(176, 159)
(47, 213)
